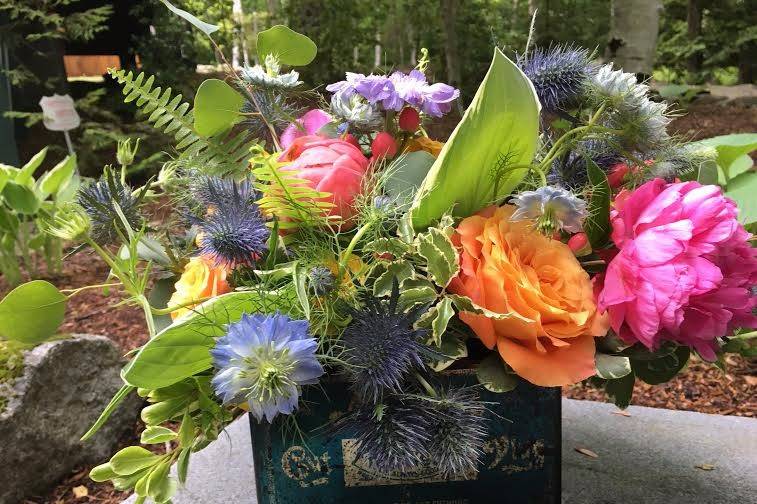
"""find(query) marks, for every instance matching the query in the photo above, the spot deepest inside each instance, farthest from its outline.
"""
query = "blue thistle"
(264, 360)
(382, 347)
(99, 200)
(321, 280)
(570, 171)
(270, 107)
(560, 75)
(233, 230)
(212, 191)
(394, 434)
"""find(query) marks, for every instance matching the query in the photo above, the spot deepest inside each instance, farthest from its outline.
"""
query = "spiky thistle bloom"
(268, 107)
(355, 112)
(560, 75)
(100, 199)
(233, 230)
(641, 122)
(382, 347)
(570, 171)
(393, 435)
(264, 360)
(212, 191)
(321, 280)
(459, 430)
(552, 208)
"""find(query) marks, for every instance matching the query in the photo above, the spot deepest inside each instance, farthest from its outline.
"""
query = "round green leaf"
(101, 473)
(493, 375)
(216, 107)
(132, 459)
(20, 198)
(291, 48)
(155, 434)
(32, 312)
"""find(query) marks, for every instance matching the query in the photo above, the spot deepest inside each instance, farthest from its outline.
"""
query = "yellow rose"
(425, 144)
(201, 278)
(546, 299)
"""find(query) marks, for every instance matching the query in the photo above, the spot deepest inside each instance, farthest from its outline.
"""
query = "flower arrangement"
(559, 235)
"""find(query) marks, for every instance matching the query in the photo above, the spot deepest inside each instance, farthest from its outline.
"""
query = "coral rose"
(684, 269)
(329, 165)
(201, 278)
(423, 143)
(546, 317)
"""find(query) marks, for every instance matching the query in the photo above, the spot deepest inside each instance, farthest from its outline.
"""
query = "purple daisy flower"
(346, 88)
(264, 360)
(410, 87)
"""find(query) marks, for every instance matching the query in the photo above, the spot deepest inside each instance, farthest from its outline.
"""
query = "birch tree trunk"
(633, 34)
(237, 48)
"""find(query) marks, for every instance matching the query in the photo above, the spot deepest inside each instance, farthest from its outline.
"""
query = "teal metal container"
(521, 463)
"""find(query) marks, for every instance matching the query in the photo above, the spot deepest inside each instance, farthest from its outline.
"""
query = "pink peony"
(329, 165)
(309, 124)
(682, 257)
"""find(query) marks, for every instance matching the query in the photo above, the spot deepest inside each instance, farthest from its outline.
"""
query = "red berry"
(579, 244)
(383, 145)
(409, 119)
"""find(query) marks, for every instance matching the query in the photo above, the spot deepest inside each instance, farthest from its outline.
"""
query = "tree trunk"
(273, 12)
(237, 14)
(633, 34)
(694, 22)
(449, 21)
(747, 63)
(377, 51)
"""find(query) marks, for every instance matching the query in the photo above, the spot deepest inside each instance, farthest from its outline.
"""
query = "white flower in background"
(269, 75)
(355, 111)
(552, 208)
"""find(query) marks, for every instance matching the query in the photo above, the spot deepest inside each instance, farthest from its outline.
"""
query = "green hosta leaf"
(406, 173)
(132, 459)
(32, 312)
(661, 370)
(611, 367)
(440, 254)
(21, 198)
(155, 434)
(730, 148)
(597, 225)
(291, 48)
(204, 27)
(620, 390)
(487, 154)
(24, 176)
(54, 180)
(743, 190)
(182, 349)
(741, 165)
(216, 107)
(708, 173)
(494, 376)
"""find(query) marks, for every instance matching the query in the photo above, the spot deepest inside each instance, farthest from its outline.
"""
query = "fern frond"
(218, 155)
(288, 197)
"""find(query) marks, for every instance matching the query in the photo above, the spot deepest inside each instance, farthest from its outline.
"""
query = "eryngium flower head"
(268, 108)
(560, 75)
(393, 435)
(232, 231)
(553, 208)
(264, 360)
(459, 430)
(355, 111)
(100, 199)
(381, 347)
(212, 191)
(571, 171)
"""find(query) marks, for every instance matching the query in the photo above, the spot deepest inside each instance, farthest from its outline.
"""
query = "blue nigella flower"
(560, 74)
(233, 230)
(552, 208)
(264, 360)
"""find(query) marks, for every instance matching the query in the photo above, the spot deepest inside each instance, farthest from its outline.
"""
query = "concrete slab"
(648, 457)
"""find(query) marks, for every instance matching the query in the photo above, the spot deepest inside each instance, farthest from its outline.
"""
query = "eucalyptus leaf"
(204, 27)
(494, 376)
(216, 107)
(291, 48)
(488, 153)
(32, 312)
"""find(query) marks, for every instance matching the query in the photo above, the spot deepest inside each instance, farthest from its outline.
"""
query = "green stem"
(98, 286)
(147, 309)
(343, 261)
(426, 385)
(555, 150)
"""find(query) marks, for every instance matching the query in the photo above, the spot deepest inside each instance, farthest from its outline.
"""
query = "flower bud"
(409, 119)
(124, 152)
(579, 244)
(383, 145)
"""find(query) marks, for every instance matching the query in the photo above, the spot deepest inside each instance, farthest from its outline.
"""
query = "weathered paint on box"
(521, 463)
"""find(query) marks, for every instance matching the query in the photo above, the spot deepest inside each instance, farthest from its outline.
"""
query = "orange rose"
(548, 311)
(425, 144)
(201, 279)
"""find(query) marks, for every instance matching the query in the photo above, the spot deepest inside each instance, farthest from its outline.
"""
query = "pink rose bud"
(409, 119)
(617, 175)
(579, 244)
(383, 146)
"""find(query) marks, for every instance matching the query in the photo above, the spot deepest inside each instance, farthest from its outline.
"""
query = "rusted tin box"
(521, 463)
